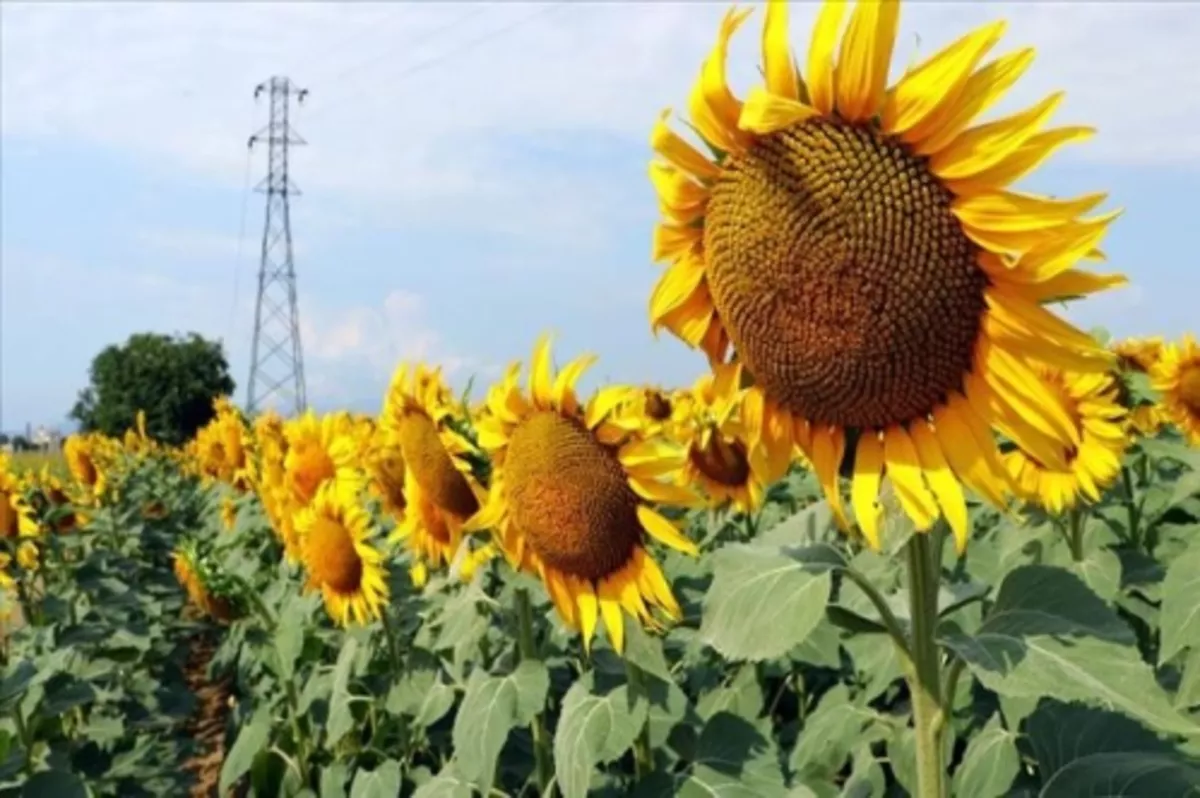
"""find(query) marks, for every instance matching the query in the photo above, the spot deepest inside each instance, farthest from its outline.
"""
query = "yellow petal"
(977, 462)
(982, 147)
(1073, 283)
(610, 609)
(864, 490)
(679, 197)
(664, 531)
(652, 490)
(828, 447)
(1021, 162)
(604, 402)
(778, 66)
(671, 146)
(865, 58)
(822, 74)
(904, 471)
(765, 112)
(564, 385)
(978, 94)
(585, 602)
(937, 80)
(675, 287)
(712, 107)
(941, 481)
(539, 373)
(1011, 211)
(672, 241)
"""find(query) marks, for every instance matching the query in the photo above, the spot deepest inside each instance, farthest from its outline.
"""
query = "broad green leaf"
(251, 738)
(1083, 751)
(289, 636)
(1100, 570)
(810, 525)
(490, 709)
(1188, 694)
(1180, 614)
(16, 682)
(446, 784)
(382, 782)
(763, 601)
(333, 780)
(341, 718)
(866, 779)
(742, 696)
(990, 763)
(64, 693)
(593, 729)
(57, 783)
(830, 732)
(646, 652)
(734, 760)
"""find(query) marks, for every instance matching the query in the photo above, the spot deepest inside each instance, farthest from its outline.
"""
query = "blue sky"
(474, 176)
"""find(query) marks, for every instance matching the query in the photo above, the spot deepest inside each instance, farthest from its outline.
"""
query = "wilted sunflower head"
(572, 495)
(1092, 464)
(439, 489)
(385, 472)
(335, 538)
(1177, 377)
(858, 248)
(319, 450)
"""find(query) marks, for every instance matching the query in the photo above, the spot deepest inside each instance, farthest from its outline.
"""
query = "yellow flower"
(80, 453)
(27, 555)
(319, 450)
(439, 491)
(1094, 463)
(1138, 354)
(221, 447)
(16, 517)
(229, 512)
(1177, 377)
(339, 557)
(385, 473)
(571, 497)
(858, 248)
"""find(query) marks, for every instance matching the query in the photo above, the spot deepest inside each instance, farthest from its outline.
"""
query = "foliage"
(172, 379)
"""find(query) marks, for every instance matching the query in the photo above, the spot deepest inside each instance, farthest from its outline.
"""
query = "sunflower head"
(339, 557)
(1094, 462)
(859, 248)
(319, 450)
(573, 492)
(1177, 377)
(16, 516)
(81, 455)
(1138, 354)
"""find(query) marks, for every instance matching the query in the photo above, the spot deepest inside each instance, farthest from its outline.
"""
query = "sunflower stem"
(393, 645)
(1075, 519)
(643, 758)
(528, 648)
(924, 663)
(1135, 535)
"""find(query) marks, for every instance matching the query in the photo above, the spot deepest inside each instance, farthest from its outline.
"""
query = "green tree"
(173, 379)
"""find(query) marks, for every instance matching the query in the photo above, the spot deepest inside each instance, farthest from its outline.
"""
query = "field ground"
(24, 461)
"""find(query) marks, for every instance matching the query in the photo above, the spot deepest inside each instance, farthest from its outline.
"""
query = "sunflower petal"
(865, 58)
(765, 113)
(981, 148)
(979, 93)
(905, 473)
(822, 74)
(864, 490)
(671, 146)
(585, 602)
(664, 531)
(610, 608)
(780, 69)
(942, 482)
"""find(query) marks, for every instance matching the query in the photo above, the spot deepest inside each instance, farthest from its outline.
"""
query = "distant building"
(47, 440)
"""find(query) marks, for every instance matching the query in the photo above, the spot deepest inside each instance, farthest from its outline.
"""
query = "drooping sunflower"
(80, 453)
(439, 490)
(1092, 464)
(571, 497)
(385, 473)
(340, 559)
(719, 459)
(1177, 377)
(858, 248)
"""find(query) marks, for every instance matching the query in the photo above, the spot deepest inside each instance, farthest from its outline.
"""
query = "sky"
(474, 175)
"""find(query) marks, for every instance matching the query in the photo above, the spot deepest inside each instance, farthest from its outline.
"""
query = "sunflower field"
(911, 532)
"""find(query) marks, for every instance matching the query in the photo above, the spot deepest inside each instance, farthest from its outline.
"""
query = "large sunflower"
(570, 497)
(335, 535)
(1092, 464)
(16, 517)
(856, 245)
(80, 453)
(439, 489)
(319, 450)
(1177, 377)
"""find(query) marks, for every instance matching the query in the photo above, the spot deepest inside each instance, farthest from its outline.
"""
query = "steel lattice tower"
(276, 358)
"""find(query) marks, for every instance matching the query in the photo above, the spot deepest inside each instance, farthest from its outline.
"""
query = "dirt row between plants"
(208, 722)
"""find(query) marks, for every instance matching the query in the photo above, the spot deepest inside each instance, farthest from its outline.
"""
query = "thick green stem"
(393, 644)
(544, 768)
(1131, 505)
(924, 666)
(643, 758)
(1075, 519)
(25, 737)
(894, 629)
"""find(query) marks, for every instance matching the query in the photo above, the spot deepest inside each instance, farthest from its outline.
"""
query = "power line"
(237, 259)
(420, 66)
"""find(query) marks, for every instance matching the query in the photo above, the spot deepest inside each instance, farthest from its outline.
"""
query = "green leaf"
(866, 779)
(734, 760)
(341, 718)
(810, 525)
(58, 783)
(742, 696)
(1083, 751)
(835, 728)
(252, 738)
(1100, 570)
(763, 601)
(490, 709)
(593, 729)
(446, 784)
(382, 782)
(333, 780)
(64, 693)
(289, 636)
(990, 763)
(646, 652)
(16, 682)
(1180, 614)
(1188, 694)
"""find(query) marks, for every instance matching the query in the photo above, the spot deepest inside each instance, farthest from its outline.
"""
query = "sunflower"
(1092, 464)
(858, 249)
(1138, 354)
(229, 512)
(339, 557)
(385, 474)
(439, 489)
(718, 458)
(80, 453)
(570, 497)
(28, 556)
(16, 517)
(220, 446)
(1177, 377)
(68, 517)
(319, 450)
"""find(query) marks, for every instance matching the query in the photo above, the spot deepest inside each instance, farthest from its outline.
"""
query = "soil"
(207, 725)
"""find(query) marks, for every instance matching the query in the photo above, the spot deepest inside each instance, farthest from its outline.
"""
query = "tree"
(173, 379)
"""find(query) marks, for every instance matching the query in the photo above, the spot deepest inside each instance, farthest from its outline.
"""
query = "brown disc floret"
(432, 467)
(569, 497)
(842, 276)
(331, 556)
